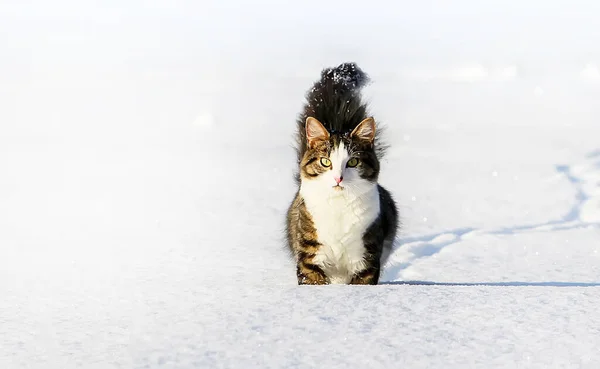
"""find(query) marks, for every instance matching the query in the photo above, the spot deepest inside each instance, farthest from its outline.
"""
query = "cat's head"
(339, 163)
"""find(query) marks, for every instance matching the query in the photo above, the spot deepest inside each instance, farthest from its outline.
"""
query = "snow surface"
(146, 165)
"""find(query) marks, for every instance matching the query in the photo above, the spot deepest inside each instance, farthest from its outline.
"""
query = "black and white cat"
(342, 223)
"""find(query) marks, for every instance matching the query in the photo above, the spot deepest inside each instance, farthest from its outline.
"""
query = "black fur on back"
(335, 100)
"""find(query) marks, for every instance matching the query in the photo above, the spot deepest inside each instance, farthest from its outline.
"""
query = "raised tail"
(345, 78)
(335, 100)
(335, 87)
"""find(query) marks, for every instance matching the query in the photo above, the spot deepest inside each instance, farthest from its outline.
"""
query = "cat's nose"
(338, 179)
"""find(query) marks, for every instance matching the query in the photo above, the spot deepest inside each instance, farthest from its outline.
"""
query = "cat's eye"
(352, 162)
(325, 162)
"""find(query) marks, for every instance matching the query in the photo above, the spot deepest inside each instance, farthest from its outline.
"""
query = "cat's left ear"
(365, 130)
(315, 131)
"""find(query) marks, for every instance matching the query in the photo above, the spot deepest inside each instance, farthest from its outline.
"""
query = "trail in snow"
(585, 178)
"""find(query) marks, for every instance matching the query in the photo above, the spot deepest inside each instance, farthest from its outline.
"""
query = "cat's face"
(336, 164)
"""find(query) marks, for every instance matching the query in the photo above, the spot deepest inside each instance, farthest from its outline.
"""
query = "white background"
(146, 167)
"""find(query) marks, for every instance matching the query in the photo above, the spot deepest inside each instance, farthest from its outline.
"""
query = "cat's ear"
(365, 130)
(315, 131)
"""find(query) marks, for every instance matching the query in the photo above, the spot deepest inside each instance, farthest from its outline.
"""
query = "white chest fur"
(341, 220)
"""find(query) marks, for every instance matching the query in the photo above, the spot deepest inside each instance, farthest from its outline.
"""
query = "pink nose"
(338, 179)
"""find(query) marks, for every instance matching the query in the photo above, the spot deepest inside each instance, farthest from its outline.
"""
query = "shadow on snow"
(495, 284)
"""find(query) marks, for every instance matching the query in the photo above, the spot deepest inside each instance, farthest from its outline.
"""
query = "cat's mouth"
(338, 188)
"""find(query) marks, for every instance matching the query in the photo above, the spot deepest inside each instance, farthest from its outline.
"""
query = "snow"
(146, 159)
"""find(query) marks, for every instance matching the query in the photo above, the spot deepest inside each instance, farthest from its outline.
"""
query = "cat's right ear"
(315, 131)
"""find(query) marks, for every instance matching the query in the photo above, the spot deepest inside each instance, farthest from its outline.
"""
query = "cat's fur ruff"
(342, 223)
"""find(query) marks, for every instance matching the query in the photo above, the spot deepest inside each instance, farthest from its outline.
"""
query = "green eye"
(352, 163)
(325, 162)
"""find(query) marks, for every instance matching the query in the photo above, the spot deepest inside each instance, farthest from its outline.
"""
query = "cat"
(341, 224)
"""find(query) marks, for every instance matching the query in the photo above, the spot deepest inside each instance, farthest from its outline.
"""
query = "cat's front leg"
(309, 273)
(367, 276)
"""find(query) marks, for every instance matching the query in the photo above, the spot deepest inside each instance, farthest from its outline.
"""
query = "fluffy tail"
(332, 92)
(344, 78)
(335, 100)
